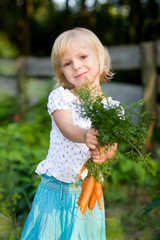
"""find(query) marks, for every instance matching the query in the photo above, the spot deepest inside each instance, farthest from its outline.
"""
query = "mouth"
(80, 75)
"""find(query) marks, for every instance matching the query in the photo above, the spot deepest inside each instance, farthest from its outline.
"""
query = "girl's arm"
(74, 133)
(100, 155)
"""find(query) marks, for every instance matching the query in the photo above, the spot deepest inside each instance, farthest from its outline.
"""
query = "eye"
(83, 57)
(66, 64)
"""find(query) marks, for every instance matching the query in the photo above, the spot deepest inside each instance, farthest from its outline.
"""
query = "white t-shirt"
(65, 158)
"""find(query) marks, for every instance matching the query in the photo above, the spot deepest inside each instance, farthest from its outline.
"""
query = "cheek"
(64, 70)
(95, 63)
(96, 68)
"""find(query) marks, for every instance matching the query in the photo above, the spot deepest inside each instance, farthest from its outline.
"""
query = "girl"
(76, 54)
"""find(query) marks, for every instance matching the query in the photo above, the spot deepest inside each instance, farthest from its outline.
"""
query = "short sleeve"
(58, 100)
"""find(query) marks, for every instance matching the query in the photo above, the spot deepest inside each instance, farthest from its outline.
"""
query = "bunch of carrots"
(90, 193)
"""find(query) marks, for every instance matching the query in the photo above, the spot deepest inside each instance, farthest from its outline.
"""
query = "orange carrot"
(84, 210)
(98, 193)
(84, 182)
(87, 193)
(92, 202)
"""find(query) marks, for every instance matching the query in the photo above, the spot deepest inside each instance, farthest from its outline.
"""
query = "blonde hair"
(81, 35)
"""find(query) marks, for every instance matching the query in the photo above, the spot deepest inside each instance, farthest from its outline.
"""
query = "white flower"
(84, 174)
(101, 177)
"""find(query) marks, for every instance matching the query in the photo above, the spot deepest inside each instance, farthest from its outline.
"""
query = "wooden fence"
(144, 57)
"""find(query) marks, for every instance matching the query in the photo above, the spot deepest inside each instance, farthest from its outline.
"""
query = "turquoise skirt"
(55, 214)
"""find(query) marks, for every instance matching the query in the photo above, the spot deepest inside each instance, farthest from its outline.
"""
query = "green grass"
(126, 221)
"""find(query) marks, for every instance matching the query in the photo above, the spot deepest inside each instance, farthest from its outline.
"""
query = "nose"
(76, 65)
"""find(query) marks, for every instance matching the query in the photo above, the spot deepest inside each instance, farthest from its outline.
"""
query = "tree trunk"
(149, 79)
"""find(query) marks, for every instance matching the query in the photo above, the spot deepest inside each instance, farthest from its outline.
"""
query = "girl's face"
(78, 63)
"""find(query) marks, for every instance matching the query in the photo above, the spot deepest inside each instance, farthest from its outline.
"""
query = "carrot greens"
(115, 123)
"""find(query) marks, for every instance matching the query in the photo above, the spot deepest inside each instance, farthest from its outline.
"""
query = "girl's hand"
(100, 155)
(91, 139)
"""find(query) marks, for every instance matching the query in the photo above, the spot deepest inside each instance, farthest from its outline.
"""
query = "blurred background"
(131, 32)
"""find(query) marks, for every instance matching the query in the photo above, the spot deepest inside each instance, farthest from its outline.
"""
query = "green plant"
(7, 49)
(24, 144)
(8, 107)
(115, 125)
(155, 203)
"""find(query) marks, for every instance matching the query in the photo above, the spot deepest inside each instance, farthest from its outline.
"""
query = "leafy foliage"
(8, 107)
(46, 19)
(154, 203)
(7, 49)
(114, 123)
(24, 144)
